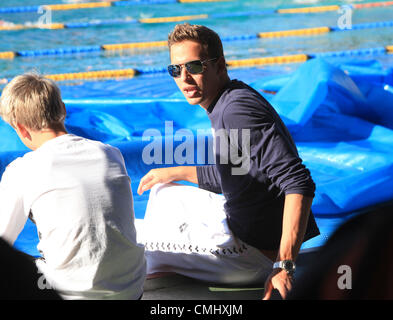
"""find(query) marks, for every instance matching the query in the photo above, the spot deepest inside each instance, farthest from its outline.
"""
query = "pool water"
(35, 39)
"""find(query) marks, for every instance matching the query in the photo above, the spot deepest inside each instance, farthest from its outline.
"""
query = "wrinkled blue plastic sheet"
(339, 115)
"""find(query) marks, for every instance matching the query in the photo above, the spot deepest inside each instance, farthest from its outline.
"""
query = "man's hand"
(167, 175)
(296, 213)
(279, 279)
(154, 176)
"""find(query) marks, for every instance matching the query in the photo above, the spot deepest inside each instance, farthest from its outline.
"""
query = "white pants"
(185, 231)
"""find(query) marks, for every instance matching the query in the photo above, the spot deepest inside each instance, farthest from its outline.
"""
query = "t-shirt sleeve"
(12, 212)
(209, 178)
(272, 151)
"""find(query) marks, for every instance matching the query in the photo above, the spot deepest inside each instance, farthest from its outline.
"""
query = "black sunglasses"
(193, 67)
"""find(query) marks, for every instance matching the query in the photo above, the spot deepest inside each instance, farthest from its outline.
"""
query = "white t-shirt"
(80, 198)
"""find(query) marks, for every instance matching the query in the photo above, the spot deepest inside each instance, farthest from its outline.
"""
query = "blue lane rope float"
(368, 25)
(286, 59)
(152, 44)
(58, 51)
(20, 9)
(356, 52)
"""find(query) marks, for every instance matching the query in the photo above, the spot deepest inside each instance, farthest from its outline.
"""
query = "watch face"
(288, 265)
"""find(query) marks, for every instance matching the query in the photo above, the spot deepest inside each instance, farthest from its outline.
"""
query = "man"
(78, 193)
(264, 213)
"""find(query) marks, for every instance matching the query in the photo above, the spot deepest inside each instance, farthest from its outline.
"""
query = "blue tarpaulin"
(340, 116)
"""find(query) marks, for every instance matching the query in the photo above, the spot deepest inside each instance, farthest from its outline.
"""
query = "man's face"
(199, 88)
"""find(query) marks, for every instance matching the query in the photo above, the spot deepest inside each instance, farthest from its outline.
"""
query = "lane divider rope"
(286, 59)
(115, 3)
(102, 4)
(268, 60)
(129, 73)
(389, 49)
(310, 9)
(156, 44)
(134, 45)
(68, 25)
(373, 4)
(173, 19)
(296, 32)
(7, 55)
(11, 27)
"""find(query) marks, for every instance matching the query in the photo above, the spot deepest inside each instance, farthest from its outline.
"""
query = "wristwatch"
(288, 265)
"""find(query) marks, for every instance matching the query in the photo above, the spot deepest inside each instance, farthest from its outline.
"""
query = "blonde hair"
(210, 40)
(32, 101)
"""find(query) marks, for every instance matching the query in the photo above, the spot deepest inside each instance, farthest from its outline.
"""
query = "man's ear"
(221, 63)
(64, 108)
(23, 131)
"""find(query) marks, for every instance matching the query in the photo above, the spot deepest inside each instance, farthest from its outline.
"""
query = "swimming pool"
(349, 150)
(257, 18)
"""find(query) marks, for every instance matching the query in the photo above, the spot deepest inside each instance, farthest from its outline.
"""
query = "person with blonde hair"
(247, 219)
(77, 192)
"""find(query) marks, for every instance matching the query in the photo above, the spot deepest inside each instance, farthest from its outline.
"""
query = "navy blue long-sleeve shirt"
(256, 165)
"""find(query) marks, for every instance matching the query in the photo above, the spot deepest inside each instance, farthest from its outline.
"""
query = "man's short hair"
(33, 101)
(210, 40)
